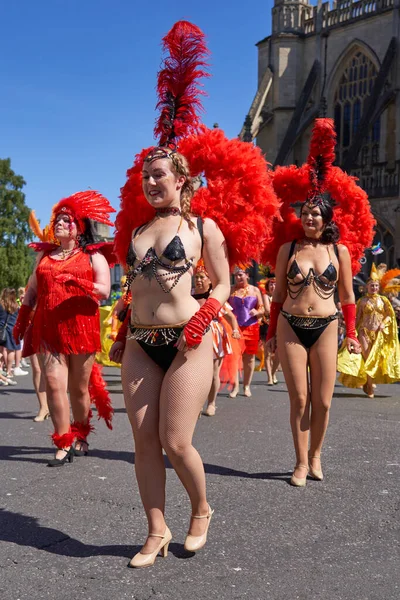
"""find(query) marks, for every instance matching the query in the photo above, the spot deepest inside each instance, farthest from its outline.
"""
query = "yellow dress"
(106, 316)
(383, 362)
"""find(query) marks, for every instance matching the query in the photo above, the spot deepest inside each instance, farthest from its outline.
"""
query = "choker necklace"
(168, 210)
(64, 253)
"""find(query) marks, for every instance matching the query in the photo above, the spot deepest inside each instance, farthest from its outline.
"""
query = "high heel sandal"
(195, 542)
(315, 473)
(81, 452)
(40, 419)
(247, 391)
(147, 560)
(365, 388)
(233, 393)
(210, 410)
(59, 462)
(299, 481)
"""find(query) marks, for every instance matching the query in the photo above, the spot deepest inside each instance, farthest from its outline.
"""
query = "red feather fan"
(239, 196)
(352, 213)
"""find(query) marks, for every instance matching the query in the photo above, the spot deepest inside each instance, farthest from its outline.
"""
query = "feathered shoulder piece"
(106, 249)
(43, 246)
(295, 185)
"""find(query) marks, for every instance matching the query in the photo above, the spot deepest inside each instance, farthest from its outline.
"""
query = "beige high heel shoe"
(315, 473)
(247, 391)
(195, 542)
(299, 481)
(147, 560)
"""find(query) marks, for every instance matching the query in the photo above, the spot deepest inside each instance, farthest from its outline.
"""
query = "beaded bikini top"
(161, 270)
(324, 284)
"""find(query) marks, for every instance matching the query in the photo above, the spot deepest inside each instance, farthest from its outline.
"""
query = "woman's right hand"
(271, 344)
(116, 352)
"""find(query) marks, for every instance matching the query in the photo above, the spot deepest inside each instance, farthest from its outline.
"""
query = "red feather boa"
(99, 395)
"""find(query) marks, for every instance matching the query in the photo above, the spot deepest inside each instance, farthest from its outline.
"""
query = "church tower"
(289, 16)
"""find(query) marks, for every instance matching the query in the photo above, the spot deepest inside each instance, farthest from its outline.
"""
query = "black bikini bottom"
(308, 329)
(158, 342)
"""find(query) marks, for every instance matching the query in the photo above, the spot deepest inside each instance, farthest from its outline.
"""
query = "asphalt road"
(69, 533)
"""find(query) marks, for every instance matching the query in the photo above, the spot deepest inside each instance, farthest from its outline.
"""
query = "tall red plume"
(178, 88)
(322, 154)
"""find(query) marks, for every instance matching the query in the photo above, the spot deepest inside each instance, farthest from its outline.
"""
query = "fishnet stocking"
(163, 411)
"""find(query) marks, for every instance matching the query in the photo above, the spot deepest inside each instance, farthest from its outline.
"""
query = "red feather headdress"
(84, 205)
(239, 195)
(352, 211)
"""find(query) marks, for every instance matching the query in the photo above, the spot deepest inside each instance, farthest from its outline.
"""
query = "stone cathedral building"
(338, 60)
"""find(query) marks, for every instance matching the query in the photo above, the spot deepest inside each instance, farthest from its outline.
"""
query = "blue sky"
(78, 77)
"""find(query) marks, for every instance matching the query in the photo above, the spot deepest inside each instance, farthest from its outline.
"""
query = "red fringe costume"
(66, 318)
(352, 211)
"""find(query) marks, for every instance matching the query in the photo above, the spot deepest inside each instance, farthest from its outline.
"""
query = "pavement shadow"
(26, 531)
(16, 415)
(24, 454)
(356, 396)
(228, 472)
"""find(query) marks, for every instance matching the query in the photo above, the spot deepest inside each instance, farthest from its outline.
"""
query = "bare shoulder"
(284, 250)
(343, 251)
(210, 227)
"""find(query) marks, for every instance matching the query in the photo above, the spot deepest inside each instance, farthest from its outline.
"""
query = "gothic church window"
(352, 91)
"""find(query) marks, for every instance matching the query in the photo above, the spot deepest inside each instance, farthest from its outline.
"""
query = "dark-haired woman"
(8, 347)
(69, 279)
(303, 325)
(271, 360)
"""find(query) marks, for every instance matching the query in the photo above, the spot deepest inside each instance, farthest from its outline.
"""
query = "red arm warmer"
(121, 335)
(22, 323)
(196, 327)
(349, 314)
(273, 318)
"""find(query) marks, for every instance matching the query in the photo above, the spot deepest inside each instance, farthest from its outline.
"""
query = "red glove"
(273, 319)
(197, 325)
(85, 284)
(349, 314)
(121, 335)
(23, 321)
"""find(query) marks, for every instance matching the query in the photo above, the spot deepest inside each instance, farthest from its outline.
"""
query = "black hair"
(331, 234)
(87, 237)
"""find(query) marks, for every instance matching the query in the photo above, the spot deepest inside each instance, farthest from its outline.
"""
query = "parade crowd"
(181, 331)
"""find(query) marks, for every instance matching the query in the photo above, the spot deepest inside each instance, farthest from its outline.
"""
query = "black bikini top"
(173, 252)
(324, 284)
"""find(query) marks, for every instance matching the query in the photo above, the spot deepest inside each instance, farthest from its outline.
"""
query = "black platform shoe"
(59, 462)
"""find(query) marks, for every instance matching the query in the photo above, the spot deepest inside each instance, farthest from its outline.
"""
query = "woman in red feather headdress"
(163, 229)
(70, 277)
(309, 269)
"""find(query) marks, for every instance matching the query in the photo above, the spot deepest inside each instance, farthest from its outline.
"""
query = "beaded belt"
(308, 322)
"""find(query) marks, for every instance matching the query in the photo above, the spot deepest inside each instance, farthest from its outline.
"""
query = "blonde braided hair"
(181, 167)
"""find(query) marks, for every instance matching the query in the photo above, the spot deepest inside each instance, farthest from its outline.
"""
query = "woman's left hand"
(236, 334)
(253, 312)
(353, 346)
(182, 345)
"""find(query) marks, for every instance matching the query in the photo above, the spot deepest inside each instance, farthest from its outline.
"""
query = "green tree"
(16, 259)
